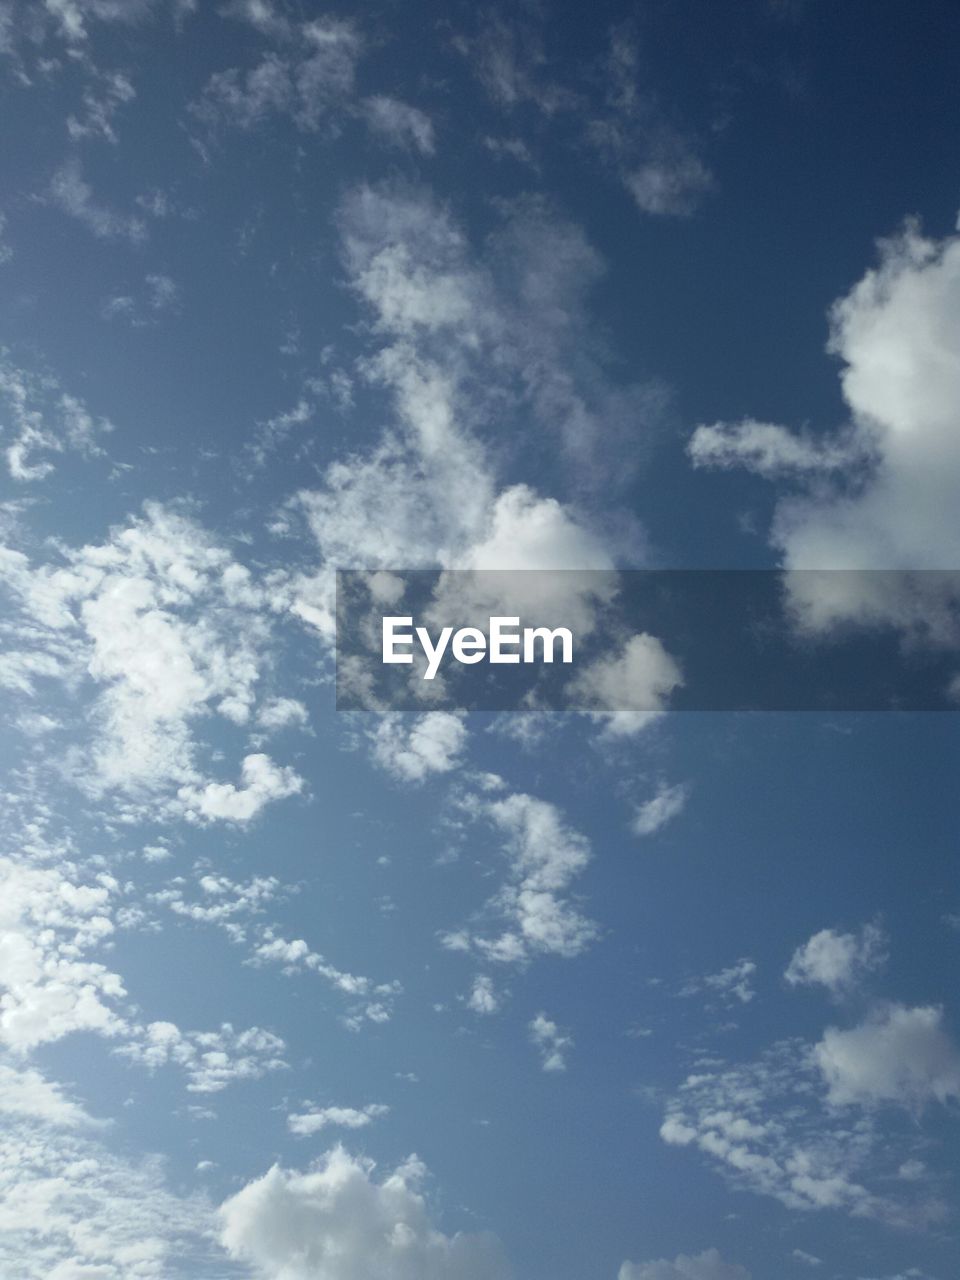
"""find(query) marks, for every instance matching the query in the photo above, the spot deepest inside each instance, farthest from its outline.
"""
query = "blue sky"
(293, 993)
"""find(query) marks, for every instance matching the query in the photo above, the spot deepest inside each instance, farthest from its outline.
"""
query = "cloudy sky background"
(296, 994)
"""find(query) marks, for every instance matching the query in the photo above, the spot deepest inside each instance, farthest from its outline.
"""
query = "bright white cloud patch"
(893, 506)
(262, 781)
(210, 1059)
(837, 961)
(629, 690)
(168, 628)
(70, 1209)
(413, 749)
(26, 1093)
(304, 1123)
(49, 987)
(899, 1054)
(337, 1222)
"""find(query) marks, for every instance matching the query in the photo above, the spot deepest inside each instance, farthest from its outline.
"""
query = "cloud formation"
(338, 1222)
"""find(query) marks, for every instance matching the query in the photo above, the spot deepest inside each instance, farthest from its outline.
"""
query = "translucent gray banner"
(633, 643)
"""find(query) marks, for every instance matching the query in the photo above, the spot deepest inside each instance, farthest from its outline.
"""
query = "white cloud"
(899, 1054)
(72, 15)
(705, 1266)
(413, 749)
(552, 1043)
(770, 1127)
(26, 1093)
(509, 60)
(169, 628)
(483, 998)
(667, 804)
(733, 983)
(772, 451)
(223, 902)
(70, 1209)
(671, 185)
(49, 922)
(6, 252)
(837, 961)
(43, 419)
(629, 690)
(70, 192)
(100, 105)
(306, 1123)
(659, 165)
(545, 857)
(897, 333)
(460, 336)
(211, 1060)
(309, 77)
(808, 1259)
(336, 1222)
(263, 782)
(373, 1001)
(160, 294)
(261, 14)
(400, 123)
(282, 713)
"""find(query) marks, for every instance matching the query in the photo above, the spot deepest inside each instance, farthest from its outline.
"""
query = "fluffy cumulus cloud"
(705, 1266)
(262, 781)
(337, 1221)
(412, 749)
(163, 628)
(885, 484)
(629, 689)
(544, 857)
(898, 1055)
(837, 961)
